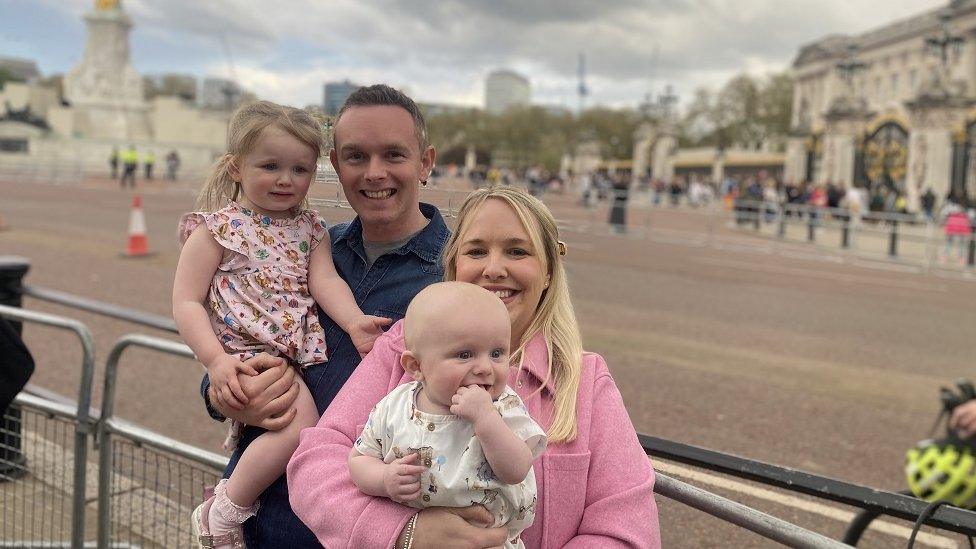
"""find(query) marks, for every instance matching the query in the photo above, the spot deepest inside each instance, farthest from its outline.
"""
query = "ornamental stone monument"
(104, 90)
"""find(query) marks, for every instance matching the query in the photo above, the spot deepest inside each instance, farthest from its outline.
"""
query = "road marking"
(880, 526)
(826, 275)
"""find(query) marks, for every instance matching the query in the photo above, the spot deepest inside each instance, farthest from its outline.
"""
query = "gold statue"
(106, 4)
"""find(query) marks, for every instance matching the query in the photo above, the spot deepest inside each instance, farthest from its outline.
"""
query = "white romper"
(456, 471)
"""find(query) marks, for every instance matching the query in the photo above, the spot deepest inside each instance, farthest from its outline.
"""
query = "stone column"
(930, 147)
(846, 123)
(795, 168)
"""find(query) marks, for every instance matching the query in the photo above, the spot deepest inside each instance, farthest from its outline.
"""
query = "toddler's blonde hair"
(243, 134)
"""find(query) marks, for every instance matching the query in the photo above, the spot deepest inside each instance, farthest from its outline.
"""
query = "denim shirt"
(384, 288)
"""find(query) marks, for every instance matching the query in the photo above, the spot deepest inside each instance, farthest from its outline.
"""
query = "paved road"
(823, 366)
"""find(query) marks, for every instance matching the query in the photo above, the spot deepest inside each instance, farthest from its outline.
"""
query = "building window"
(894, 85)
(13, 145)
(877, 88)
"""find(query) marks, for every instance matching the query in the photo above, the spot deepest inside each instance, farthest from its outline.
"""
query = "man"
(387, 254)
(130, 161)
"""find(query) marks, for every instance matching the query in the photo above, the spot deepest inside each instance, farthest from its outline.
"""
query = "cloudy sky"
(440, 51)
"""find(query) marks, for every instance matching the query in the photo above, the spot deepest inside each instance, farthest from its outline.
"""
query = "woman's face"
(497, 254)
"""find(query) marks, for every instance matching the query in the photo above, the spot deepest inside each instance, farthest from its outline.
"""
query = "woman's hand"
(364, 331)
(223, 370)
(460, 528)
(963, 419)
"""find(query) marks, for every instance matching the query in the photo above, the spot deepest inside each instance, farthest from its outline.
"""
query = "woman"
(595, 483)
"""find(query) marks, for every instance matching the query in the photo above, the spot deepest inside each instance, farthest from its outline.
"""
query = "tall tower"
(105, 92)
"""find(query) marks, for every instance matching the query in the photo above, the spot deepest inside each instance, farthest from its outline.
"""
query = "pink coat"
(596, 491)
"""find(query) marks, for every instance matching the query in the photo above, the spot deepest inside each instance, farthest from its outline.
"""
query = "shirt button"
(427, 462)
(430, 426)
(426, 497)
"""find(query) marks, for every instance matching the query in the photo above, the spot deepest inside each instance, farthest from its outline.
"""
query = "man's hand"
(401, 480)
(963, 419)
(463, 528)
(472, 402)
(271, 394)
(364, 331)
(223, 370)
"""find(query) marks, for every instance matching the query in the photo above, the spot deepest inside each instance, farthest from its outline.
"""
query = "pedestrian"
(148, 160)
(130, 161)
(928, 204)
(257, 289)
(172, 165)
(113, 162)
(957, 231)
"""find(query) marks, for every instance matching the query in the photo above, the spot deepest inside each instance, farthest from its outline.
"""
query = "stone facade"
(902, 107)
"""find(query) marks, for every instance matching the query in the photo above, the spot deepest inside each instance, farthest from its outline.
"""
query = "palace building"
(891, 107)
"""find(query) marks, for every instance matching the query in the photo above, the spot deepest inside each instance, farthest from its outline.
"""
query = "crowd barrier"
(143, 485)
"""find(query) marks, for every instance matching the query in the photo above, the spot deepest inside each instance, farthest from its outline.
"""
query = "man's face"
(378, 158)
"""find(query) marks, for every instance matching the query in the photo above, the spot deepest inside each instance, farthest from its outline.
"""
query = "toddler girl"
(457, 436)
(252, 267)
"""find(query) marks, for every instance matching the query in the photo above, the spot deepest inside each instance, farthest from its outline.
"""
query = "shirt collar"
(426, 244)
(535, 361)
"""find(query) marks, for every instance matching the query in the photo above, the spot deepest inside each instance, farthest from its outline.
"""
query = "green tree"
(7, 76)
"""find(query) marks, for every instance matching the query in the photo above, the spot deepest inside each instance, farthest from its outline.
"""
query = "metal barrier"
(150, 480)
(79, 416)
(154, 481)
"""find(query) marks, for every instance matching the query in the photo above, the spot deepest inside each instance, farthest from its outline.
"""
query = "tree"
(7, 76)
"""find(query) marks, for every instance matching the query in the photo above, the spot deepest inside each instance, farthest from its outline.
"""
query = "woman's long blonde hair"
(242, 135)
(554, 317)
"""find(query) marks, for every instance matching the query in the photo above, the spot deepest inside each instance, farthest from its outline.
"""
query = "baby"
(468, 431)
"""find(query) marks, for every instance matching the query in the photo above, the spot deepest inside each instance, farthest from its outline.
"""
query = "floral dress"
(259, 299)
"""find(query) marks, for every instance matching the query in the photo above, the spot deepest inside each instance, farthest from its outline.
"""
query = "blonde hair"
(554, 317)
(245, 129)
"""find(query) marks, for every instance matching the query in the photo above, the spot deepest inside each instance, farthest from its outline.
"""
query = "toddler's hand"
(365, 330)
(471, 402)
(223, 371)
(402, 480)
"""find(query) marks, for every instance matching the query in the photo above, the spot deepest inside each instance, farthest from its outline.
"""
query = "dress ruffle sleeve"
(225, 230)
(318, 225)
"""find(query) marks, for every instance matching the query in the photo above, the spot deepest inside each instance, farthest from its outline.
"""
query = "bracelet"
(411, 527)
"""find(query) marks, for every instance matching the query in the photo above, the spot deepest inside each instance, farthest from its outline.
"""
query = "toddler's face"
(470, 349)
(276, 174)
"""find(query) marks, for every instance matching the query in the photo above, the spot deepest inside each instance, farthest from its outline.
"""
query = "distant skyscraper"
(335, 95)
(504, 89)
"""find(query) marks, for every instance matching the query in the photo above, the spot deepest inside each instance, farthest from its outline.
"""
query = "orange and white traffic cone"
(138, 245)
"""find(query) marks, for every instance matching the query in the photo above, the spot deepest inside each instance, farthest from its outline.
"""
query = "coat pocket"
(566, 476)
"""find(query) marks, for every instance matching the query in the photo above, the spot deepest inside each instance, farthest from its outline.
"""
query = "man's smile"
(385, 193)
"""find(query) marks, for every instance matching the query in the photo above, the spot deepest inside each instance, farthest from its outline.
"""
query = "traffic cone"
(138, 243)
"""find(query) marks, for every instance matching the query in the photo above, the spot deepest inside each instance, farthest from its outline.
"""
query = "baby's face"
(471, 349)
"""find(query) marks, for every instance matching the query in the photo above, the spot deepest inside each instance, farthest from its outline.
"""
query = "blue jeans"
(276, 525)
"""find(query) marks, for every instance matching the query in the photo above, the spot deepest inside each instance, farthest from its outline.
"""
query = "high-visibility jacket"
(130, 157)
(149, 158)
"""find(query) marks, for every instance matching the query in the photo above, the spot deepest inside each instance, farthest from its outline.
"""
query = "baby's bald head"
(448, 307)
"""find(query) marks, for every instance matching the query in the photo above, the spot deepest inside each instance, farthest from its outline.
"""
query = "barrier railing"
(80, 415)
(155, 501)
(178, 472)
